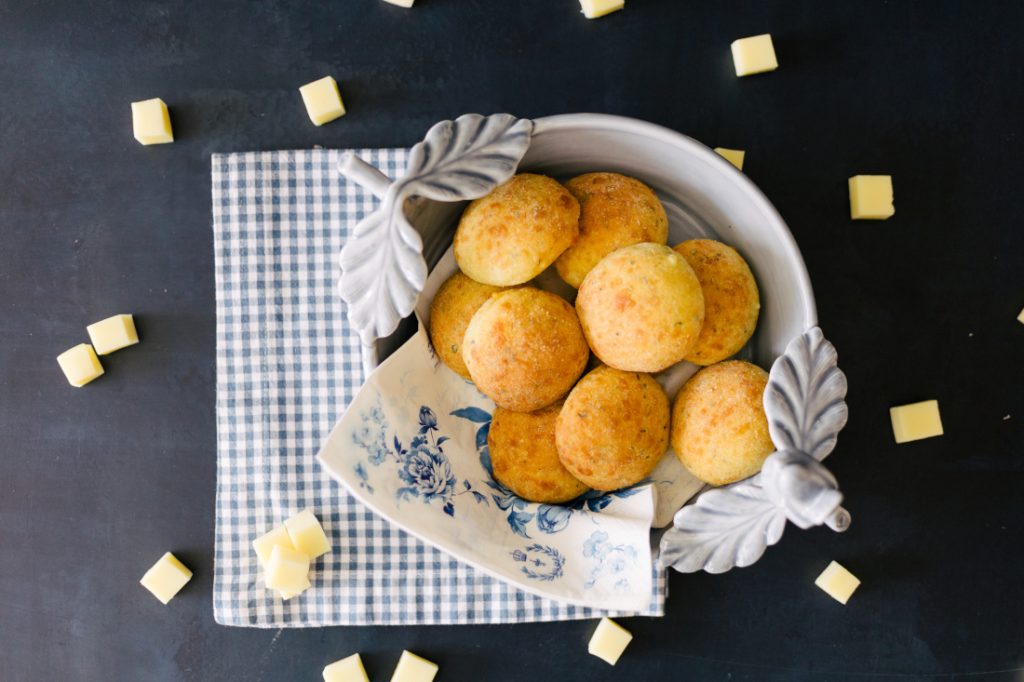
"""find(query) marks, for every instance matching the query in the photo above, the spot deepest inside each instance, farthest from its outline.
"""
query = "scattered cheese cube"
(307, 534)
(1020, 318)
(733, 156)
(113, 333)
(401, 3)
(285, 595)
(287, 570)
(609, 641)
(323, 101)
(916, 421)
(871, 197)
(347, 669)
(80, 364)
(412, 668)
(166, 578)
(265, 543)
(837, 582)
(754, 55)
(151, 122)
(592, 9)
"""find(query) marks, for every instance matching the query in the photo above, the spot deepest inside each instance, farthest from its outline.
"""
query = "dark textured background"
(96, 483)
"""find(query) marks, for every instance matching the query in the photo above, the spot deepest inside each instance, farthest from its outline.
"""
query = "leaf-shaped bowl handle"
(382, 265)
(733, 525)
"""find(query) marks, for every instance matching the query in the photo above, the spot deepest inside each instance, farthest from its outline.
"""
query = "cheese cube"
(609, 641)
(323, 101)
(285, 595)
(113, 333)
(733, 156)
(754, 55)
(287, 570)
(307, 534)
(412, 668)
(837, 582)
(265, 543)
(346, 670)
(401, 3)
(871, 197)
(80, 364)
(592, 9)
(166, 578)
(1020, 318)
(151, 122)
(916, 421)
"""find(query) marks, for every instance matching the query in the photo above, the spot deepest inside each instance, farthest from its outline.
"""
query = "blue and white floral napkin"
(287, 367)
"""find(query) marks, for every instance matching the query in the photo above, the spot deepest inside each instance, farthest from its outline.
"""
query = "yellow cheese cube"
(609, 641)
(113, 333)
(285, 595)
(307, 534)
(80, 364)
(412, 668)
(592, 9)
(1020, 318)
(916, 421)
(151, 122)
(871, 197)
(323, 101)
(166, 578)
(401, 3)
(837, 582)
(287, 570)
(265, 543)
(733, 156)
(754, 55)
(346, 670)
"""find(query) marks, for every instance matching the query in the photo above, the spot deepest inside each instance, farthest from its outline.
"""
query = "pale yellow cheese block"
(733, 156)
(80, 364)
(346, 670)
(871, 197)
(151, 122)
(1020, 318)
(837, 582)
(755, 54)
(113, 333)
(265, 543)
(412, 668)
(285, 595)
(287, 570)
(401, 3)
(916, 421)
(322, 100)
(609, 641)
(592, 9)
(307, 534)
(166, 577)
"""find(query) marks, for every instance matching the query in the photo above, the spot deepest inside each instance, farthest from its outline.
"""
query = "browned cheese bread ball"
(719, 429)
(641, 308)
(453, 306)
(731, 301)
(524, 457)
(613, 428)
(511, 235)
(524, 349)
(615, 211)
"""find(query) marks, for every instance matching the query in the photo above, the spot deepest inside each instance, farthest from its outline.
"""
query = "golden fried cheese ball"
(719, 429)
(511, 235)
(524, 457)
(641, 308)
(524, 349)
(731, 301)
(615, 211)
(613, 428)
(450, 311)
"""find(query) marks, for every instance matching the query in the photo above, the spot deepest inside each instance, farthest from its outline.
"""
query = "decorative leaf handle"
(382, 266)
(733, 525)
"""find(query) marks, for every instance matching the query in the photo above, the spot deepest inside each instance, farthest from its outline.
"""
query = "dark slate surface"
(96, 483)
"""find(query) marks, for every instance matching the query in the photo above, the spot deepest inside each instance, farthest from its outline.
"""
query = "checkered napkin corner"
(287, 366)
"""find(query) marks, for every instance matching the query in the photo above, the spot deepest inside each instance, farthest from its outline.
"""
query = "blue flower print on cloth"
(609, 561)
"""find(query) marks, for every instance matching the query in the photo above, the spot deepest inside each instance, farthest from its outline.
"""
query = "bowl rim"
(689, 145)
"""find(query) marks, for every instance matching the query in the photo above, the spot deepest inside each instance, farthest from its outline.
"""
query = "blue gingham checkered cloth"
(287, 366)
